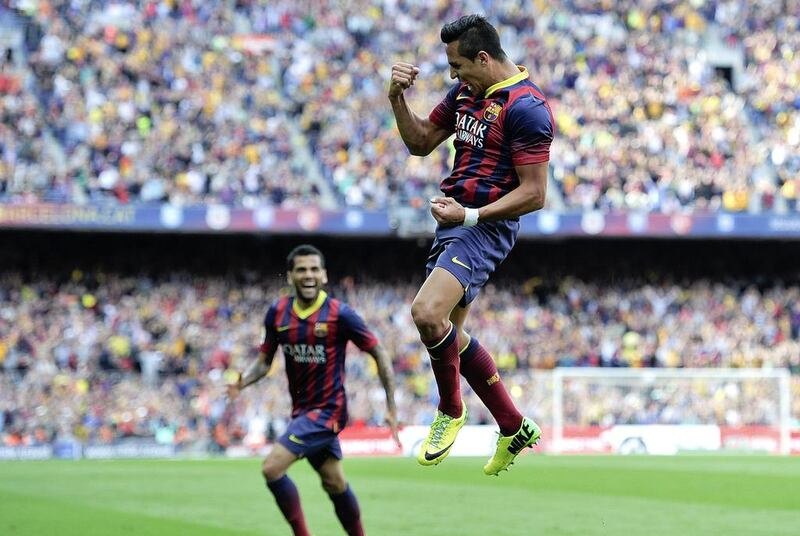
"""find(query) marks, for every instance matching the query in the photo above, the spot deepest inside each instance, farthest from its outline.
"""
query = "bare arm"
(386, 374)
(420, 134)
(527, 197)
(257, 370)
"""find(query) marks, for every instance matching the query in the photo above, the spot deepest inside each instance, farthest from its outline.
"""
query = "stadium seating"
(645, 120)
(137, 355)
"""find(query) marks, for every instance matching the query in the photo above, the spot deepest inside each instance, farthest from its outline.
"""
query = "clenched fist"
(403, 76)
(447, 211)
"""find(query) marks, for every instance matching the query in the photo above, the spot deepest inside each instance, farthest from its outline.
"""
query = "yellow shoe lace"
(438, 427)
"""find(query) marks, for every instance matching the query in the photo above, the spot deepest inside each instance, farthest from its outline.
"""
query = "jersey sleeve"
(269, 340)
(530, 129)
(354, 329)
(444, 115)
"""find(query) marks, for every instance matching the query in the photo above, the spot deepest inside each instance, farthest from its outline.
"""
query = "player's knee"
(428, 320)
(334, 485)
(271, 471)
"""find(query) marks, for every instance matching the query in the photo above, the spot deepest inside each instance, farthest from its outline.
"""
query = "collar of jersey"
(302, 314)
(522, 75)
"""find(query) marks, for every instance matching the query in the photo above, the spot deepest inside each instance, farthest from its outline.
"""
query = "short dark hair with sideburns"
(301, 251)
(473, 33)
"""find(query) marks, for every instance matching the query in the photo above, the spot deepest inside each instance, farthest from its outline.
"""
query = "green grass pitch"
(541, 495)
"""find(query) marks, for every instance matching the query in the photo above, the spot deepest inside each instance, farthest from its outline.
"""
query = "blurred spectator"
(22, 142)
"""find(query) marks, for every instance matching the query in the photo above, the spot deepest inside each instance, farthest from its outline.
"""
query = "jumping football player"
(503, 129)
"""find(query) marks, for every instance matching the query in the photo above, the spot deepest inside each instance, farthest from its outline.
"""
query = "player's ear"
(483, 57)
(324, 277)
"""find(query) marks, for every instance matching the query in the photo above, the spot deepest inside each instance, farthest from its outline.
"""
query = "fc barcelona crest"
(321, 329)
(491, 113)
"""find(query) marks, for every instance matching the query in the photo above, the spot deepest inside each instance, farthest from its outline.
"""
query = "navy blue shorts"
(309, 439)
(471, 254)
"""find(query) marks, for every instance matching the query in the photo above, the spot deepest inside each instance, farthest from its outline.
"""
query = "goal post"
(659, 410)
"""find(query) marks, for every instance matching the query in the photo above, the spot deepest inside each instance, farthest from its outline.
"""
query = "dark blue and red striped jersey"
(510, 125)
(313, 341)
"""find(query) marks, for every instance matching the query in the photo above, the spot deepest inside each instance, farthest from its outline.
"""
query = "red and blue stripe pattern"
(511, 125)
(314, 343)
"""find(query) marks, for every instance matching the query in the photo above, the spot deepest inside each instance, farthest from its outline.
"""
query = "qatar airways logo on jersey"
(305, 353)
(470, 130)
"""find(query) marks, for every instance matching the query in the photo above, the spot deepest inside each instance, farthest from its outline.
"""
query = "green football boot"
(441, 437)
(509, 446)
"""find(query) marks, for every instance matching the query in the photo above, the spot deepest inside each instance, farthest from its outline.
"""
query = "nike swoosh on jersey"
(458, 262)
(282, 328)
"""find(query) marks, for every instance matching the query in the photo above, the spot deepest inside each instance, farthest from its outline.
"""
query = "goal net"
(666, 411)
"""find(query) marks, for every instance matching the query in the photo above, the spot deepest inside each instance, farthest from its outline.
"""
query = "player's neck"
(505, 70)
(500, 72)
(303, 303)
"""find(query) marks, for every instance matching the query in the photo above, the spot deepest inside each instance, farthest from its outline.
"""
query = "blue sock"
(288, 499)
(348, 512)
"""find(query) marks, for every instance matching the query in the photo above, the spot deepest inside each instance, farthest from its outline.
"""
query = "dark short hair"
(301, 251)
(473, 33)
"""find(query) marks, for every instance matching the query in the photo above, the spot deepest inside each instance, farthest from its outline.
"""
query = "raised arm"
(420, 134)
(386, 374)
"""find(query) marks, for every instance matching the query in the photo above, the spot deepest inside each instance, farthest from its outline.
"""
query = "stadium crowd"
(644, 120)
(101, 358)
(771, 42)
(23, 165)
(143, 107)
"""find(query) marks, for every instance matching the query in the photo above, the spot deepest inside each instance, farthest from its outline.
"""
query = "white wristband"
(470, 217)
